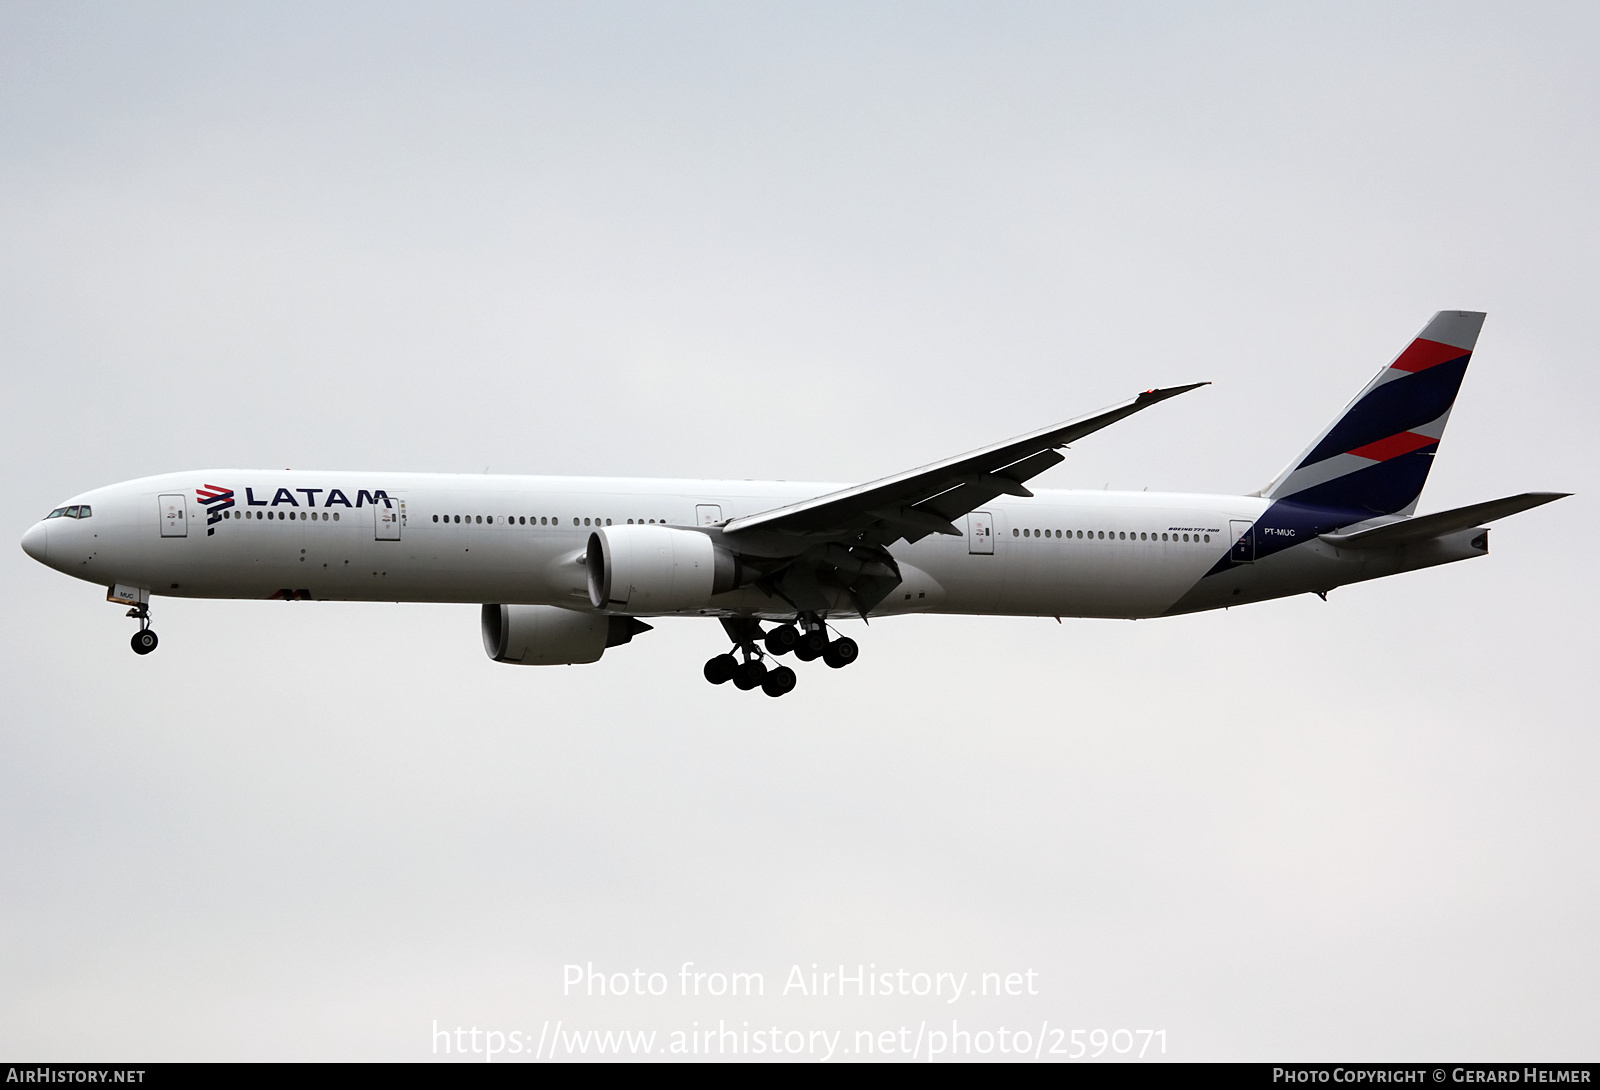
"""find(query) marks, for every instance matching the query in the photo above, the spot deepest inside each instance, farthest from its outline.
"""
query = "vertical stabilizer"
(1374, 459)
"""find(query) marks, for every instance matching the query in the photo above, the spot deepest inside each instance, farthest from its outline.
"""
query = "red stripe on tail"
(1423, 354)
(1394, 446)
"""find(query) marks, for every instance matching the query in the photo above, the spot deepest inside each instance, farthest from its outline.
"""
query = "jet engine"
(552, 636)
(657, 569)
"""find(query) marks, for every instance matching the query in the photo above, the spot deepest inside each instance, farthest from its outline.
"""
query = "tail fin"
(1375, 458)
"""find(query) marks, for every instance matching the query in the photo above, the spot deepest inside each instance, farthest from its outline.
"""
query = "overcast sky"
(825, 242)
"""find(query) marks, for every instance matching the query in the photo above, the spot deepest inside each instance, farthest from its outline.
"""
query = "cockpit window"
(57, 513)
(84, 511)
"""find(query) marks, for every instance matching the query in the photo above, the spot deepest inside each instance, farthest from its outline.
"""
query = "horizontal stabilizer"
(1412, 530)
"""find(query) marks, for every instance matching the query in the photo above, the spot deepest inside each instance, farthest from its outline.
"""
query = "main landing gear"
(144, 641)
(747, 670)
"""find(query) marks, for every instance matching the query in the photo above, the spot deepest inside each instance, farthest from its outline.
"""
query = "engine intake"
(552, 636)
(657, 569)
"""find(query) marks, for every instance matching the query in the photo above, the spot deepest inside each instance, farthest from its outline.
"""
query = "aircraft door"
(708, 514)
(387, 520)
(1243, 536)
(980, 533)
(174, 522)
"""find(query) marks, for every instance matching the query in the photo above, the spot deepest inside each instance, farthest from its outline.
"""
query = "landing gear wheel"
(782, 640)
(779, 681)
(812, 645)
(748, 675)
(721, 669)
(144, 641)
(841, 652)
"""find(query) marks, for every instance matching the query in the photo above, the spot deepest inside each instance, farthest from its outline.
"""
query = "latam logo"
(216, 499)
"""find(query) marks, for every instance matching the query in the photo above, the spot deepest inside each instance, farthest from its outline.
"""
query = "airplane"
(568, 567)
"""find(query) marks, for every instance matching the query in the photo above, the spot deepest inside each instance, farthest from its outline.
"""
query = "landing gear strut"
(144, 641)
(745, 665)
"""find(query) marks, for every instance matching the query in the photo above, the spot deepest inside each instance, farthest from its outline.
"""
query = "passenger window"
(1208, 539)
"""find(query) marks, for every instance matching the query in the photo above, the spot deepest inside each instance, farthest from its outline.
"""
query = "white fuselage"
(418, 537)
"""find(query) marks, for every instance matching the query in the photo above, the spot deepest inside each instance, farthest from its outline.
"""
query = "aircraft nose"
(36, 542)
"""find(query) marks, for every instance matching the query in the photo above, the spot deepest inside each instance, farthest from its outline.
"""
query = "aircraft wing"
(925, 501)
(1423, 527)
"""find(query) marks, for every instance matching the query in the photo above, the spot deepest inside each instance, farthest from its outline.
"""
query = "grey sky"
(808, 242)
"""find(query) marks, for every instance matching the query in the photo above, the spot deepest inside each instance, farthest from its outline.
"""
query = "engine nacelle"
(657, 569)
(552, 636)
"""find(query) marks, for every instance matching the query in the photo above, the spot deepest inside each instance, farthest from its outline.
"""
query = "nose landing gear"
(144, 641)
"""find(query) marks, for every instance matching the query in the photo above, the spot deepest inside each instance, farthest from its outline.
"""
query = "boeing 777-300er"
(570, 566)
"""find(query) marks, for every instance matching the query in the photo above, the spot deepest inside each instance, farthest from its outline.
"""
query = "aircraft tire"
(782, 640)
(778, 682)
(720, 669)
(144, 641)
(841, 652)
(812, 645)
(749, 674)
